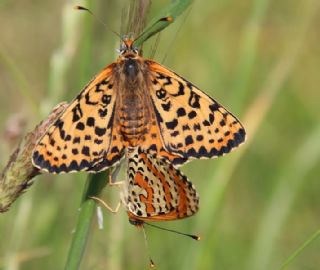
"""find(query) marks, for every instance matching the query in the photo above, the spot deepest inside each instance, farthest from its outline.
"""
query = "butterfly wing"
(192, 124)
(158, 191)
(82, 138)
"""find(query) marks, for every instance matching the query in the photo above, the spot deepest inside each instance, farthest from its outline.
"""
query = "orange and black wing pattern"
(82, 138)
(192, 125)
(157, 191)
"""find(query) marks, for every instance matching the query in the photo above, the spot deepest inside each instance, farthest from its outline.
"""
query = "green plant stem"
(299, 250)
(94, 186)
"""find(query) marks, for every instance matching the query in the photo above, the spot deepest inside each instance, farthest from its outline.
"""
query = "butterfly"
(136, 102)
(155, 190)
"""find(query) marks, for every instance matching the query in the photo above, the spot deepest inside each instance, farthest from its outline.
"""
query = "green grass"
(258, 204)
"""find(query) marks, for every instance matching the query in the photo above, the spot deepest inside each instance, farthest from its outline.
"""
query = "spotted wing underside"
(192, 124)
(157, 191)
(82, 138)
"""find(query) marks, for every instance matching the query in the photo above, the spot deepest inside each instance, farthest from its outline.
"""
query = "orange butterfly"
(136, 102)
(156, 191)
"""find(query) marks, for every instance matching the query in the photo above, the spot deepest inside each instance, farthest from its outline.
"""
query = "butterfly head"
(127, 48)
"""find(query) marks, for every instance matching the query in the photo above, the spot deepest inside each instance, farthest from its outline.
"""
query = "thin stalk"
(299, 250)
(94, 186)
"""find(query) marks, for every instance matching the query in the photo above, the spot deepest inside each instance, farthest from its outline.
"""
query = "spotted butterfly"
(136, 102)
(156, 191)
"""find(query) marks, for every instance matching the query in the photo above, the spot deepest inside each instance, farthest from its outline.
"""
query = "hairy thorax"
(134, 113)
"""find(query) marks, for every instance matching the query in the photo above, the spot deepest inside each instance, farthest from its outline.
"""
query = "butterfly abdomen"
(133, 107)
(133, 119)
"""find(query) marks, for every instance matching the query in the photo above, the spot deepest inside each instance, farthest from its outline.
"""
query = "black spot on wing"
(88, 101)
(85, 151)
(214, 107)
(76, 113)
(100, 131)
(106, 99)
(189, 140)
(172, 124)
(90, 121)
(80, 126)
(180, 91)
(222, 123)
(161, 93)
(115, 149)
(181, 112)
(158, 116)
(194, 100)
(166, 106)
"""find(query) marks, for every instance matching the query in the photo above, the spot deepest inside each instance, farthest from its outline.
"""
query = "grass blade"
(95, 184)
(299, 250)
(173, 10)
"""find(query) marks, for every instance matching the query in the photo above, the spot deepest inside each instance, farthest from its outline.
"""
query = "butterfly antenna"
(152, 265)
(97, 18)
(195, 237)
(155, 46)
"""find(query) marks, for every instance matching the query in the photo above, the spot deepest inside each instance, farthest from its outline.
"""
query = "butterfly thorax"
(133, 103)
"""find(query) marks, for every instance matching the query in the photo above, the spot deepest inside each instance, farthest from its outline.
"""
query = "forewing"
(81, 139)
(192, 124)
(157, 190)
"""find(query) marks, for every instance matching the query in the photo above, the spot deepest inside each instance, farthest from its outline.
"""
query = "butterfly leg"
(113, 183)
(114, 175)
(106, 205)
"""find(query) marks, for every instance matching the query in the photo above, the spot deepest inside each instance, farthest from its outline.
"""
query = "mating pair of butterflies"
(136, 103)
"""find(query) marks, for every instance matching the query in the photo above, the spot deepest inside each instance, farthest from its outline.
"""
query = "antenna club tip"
(152, 265)
(195, 237)
(170, 19)
(79, 8)
(167, 19)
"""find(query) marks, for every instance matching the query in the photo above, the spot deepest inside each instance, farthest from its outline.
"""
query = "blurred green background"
(259, 58)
